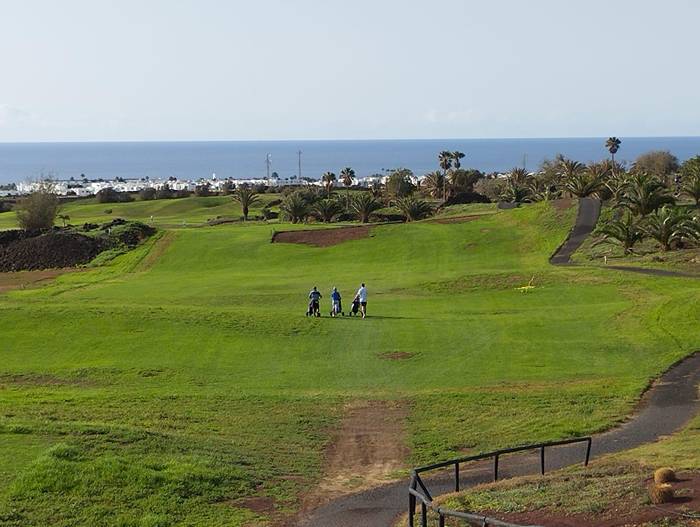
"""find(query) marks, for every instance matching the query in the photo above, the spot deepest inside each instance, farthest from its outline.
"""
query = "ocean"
(247, 159)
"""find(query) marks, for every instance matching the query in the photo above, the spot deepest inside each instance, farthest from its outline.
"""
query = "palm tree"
(613, 145)
(363, 205)
(542, 190)
(247, 197)
(326, 209)
(433, 183)
(456, 159)
(670, 226)
(413, 208)
(295, 207)
(691, 185)
(616, 186)
(347, 175)
(65, 218)
(581, 180)
(514, 191)
(625, 232)
(445, 160)
(328, 179)
(519, 176)
(645, 193)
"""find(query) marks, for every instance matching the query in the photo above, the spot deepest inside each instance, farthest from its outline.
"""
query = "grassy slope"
(197, 381)
(164, 211)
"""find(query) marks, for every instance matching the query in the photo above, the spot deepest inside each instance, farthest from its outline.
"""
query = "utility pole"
(299, 157)
(268, 163)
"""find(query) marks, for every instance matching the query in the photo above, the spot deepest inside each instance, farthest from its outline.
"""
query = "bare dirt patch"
(684, 509)
(396, 355)
(257, 504)
(25, 279)
(563, 204)
(367, 449)
(323, 237)
(459, 219)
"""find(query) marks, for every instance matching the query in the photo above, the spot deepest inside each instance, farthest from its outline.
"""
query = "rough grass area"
(181, 384)
(192, 210)
(612, 491)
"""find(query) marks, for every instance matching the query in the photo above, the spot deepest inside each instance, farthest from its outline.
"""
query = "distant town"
(83, 186)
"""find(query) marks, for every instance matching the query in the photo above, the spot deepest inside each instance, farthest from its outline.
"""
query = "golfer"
(336, 306)
(314, 297)
(362, 295)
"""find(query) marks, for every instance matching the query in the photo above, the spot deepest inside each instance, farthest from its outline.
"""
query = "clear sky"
(340, 69)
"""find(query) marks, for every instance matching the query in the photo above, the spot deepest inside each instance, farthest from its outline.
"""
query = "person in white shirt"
(362, 295)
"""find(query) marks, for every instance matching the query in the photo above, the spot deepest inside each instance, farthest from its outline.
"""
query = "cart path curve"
(670, 402)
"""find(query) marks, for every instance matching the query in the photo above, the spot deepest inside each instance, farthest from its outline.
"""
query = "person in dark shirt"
(314, 299)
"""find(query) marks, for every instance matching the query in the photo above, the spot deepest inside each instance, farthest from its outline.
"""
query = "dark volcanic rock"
(50, 250)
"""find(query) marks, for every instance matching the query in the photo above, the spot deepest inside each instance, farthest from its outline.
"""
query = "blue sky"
(332, 69)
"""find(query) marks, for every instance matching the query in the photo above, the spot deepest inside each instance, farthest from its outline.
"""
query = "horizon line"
(312, 140)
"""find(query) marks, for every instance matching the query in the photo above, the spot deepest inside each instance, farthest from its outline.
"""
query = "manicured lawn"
(165, 391)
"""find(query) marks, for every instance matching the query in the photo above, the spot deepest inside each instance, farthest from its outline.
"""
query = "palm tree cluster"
(644, 207)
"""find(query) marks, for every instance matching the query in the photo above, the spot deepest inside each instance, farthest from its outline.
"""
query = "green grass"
(192, 210)
(171, 389)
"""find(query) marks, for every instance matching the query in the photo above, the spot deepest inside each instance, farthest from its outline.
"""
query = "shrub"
(399, 183)
(462, 198)
(626, 232)
(203, 190)
(39, 209)
(492, 188)
(664, 475)
(659, 494)
(109, 195)
(148, 194)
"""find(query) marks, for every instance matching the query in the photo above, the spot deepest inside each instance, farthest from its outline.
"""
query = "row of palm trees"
(300, 205)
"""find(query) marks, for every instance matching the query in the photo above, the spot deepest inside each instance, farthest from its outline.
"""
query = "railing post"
(495, 468)
(588, 451)
(456, 477)
(424, 514)
(442, 519)
(542, 461)
(411, 509)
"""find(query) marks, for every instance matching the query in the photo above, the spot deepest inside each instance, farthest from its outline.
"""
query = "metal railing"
(418, 491)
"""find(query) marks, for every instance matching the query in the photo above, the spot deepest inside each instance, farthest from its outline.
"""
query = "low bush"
(664, 475)
(110, 195)
(659, 494)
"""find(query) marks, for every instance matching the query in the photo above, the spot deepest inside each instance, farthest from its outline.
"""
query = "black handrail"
(426, 500)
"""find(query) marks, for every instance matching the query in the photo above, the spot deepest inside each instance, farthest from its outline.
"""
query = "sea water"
(249, 159)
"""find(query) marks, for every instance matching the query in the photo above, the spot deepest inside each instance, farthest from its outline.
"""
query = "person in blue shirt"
(336, 305)
(314, 298)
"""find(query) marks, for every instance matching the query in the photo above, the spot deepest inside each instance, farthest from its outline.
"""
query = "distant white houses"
(85, 187)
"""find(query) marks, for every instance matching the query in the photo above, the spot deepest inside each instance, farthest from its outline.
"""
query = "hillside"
(181, 384)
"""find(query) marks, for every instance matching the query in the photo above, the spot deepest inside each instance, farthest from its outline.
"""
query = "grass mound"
(664, 475)
(662, 493)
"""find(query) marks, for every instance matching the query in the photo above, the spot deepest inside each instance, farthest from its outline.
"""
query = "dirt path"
(366, 452)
